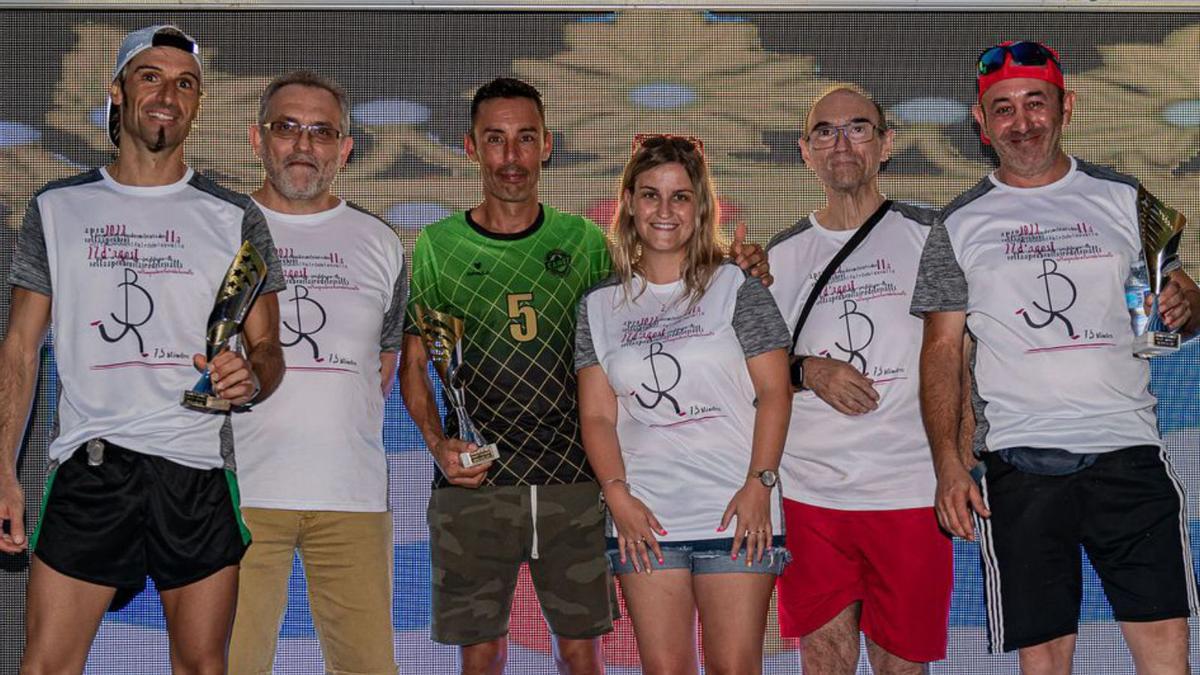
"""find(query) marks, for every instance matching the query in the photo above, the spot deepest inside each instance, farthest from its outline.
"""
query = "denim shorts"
(705, 556)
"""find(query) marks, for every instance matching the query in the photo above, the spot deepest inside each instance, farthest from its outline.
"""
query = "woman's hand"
(636, 526)
(752, 507)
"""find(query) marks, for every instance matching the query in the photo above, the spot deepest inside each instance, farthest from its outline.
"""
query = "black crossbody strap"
(836, 262)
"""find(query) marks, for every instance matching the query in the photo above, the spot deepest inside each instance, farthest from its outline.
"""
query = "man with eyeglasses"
(125, 261)
(311, 460)
(856, 473)
(1032, 262)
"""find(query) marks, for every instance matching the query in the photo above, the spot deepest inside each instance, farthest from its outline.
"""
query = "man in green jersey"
(513, 270)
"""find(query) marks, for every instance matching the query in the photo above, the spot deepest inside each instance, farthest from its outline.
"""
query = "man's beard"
(298, 190)
(159, 143)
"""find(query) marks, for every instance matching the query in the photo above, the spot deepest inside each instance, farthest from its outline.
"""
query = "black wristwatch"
(796, 371)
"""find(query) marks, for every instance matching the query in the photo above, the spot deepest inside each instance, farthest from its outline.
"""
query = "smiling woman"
(692, 351)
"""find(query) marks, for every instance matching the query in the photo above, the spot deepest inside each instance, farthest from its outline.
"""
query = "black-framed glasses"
(1024, 53)
(826, 135)
(684, 143)
(290, 130)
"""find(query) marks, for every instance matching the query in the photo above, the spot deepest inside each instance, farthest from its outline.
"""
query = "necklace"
(664, 303)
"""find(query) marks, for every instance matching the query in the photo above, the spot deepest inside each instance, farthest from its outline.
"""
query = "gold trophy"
(1161, 229)
(243, 281)
(442, 334)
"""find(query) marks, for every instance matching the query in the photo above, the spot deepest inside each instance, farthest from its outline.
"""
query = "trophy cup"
(1161, 228)
(442, 335)
(243, 280)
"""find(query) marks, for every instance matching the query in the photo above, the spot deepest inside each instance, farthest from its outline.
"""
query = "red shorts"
(897, 562)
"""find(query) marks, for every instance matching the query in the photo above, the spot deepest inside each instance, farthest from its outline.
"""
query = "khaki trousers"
(347, 560)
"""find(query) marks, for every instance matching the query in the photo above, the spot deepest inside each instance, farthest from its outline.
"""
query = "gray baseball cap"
(138, 41)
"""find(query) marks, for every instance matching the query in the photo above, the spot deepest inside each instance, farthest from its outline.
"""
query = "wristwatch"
(767, 477)
(796, 370)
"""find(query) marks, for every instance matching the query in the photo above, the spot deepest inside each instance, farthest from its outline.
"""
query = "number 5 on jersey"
(522, 317)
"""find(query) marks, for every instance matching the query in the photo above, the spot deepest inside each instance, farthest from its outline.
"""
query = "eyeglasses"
(289, 131)
(1023, 54)
(683, 143)
(825, 136)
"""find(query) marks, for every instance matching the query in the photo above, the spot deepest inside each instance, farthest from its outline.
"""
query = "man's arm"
(417, 390)
(966, 423)
(254, 377)
(19, 353)
(387, 371)
(941, 411)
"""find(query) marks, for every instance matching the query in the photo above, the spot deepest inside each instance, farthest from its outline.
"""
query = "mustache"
(305, 157)
(1022, 136)
(513, 168)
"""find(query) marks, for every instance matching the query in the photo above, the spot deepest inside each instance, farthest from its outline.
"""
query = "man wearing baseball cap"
(125, 261)
(1033, 261)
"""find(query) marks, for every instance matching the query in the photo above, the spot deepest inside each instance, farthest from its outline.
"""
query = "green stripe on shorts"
(42, 513)
(236, 495)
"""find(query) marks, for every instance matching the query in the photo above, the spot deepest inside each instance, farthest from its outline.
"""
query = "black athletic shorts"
(135, 515)
(1126, 510)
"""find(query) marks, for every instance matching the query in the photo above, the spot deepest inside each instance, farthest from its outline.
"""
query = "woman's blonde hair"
(704, 251)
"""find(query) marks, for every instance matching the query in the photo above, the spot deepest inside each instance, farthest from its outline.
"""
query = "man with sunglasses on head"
(858, 493)
(1032, 261)
(125, 262)
(513, 270)
(311, 460)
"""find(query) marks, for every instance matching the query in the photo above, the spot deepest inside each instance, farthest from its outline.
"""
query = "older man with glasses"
(1033, 262)
(856, 473)
(311, 460)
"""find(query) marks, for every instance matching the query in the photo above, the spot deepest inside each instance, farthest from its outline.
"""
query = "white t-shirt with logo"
(132, 273)
(685, 401)
(1040, 273)
(881, 459)
(317, 442)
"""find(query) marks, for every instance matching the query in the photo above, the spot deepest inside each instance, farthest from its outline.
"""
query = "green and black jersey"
(516, 295)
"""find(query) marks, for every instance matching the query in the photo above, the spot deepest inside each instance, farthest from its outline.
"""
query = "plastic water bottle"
(1137, 287)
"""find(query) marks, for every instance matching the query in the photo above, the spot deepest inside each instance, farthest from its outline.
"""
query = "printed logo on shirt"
(148, 252)
(136, 307)
(558, 262)
(318, 270)
(1061, 294)
(1054, 248)
(664, 368)
(860, 331)
(308, 318)
(846, 300)
(139, 255)
(312, 275)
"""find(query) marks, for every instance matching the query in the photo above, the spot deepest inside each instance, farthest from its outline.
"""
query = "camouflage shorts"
(478, 540)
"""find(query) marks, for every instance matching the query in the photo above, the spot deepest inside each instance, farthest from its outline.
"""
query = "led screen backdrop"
(740, 81)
